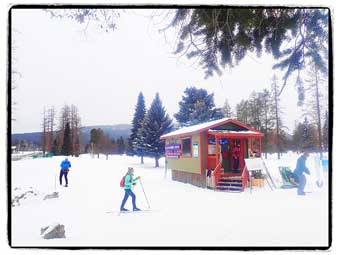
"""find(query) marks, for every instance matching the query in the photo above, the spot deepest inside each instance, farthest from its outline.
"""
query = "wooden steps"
(230, 184)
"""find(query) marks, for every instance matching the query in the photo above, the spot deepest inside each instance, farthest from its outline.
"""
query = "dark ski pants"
(128, 192)
(63, 172)
(236, 163)
(301, 184)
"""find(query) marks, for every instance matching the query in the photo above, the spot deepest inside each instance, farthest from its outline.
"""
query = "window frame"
(186, 155)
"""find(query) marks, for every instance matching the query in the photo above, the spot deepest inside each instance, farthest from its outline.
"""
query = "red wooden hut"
(203, 154)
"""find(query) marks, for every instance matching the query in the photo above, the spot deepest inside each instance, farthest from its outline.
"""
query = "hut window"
(186, 147)
(211, 146)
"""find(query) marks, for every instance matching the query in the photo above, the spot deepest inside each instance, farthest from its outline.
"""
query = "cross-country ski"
(118, 212)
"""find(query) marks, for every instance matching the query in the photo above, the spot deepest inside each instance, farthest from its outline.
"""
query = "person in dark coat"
(299, 171)
(236, 157)
(65, 168)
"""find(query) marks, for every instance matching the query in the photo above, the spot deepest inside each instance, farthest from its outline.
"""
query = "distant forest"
(34, 140)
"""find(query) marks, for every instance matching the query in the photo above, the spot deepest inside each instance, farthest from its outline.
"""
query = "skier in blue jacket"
(299, 172)
(128, 184)
(65, 168)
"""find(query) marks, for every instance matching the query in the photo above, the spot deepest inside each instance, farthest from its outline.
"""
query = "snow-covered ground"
(181, 214)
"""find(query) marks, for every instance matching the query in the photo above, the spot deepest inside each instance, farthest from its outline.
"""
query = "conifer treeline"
(261, 111)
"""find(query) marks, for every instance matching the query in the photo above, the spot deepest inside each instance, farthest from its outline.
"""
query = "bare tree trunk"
(318, 111)
(44, 133)
(266, 126)
(50, 133)
(277, 118)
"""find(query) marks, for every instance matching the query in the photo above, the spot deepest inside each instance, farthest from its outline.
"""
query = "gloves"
(138, 177)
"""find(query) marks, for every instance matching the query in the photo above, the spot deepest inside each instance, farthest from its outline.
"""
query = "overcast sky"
(102, 73)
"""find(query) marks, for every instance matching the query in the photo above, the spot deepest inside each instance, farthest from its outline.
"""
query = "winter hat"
(130, 170)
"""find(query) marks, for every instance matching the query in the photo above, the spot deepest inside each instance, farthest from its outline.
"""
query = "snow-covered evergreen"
(197, 106)
(135, 142)
(156, 123)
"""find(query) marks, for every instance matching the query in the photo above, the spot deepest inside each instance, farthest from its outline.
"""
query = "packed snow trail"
(184, 214)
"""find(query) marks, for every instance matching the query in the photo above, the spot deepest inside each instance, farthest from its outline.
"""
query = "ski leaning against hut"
(128, 182)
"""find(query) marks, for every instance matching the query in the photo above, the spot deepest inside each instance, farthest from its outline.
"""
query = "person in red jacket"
(236, 156)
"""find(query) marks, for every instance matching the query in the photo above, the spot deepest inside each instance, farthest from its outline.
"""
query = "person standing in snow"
(128, 184)
(65, 168)
(299, 171)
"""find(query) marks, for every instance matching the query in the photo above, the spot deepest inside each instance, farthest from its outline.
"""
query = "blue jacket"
(301, 166)
(65, 164)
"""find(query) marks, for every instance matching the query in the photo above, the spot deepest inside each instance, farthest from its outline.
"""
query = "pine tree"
(66, 148)
(216, 37)
(243, 111)
(226, 109)
(297, 137)
(197, 106)
(156, 123)
(133, 143)
(308, 135)
(267, 118)
(314, 106)
(304, 136)
(255, 104)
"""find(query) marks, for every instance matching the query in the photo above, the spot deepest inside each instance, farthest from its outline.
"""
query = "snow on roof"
(194, 128)
(233, 131)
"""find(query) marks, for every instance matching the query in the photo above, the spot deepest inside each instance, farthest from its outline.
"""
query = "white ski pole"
(144, 193)
(55, 181)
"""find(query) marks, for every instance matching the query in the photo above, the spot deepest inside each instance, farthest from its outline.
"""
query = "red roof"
(196, 129)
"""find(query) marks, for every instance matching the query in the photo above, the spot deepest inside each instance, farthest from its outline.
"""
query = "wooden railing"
(217, 174)
(245, 177)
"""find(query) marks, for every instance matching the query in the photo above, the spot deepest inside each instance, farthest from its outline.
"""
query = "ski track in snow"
(181, 214)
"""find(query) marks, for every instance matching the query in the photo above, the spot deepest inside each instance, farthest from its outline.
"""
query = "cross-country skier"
(65, 168)
(129, 182)
(299, 170)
